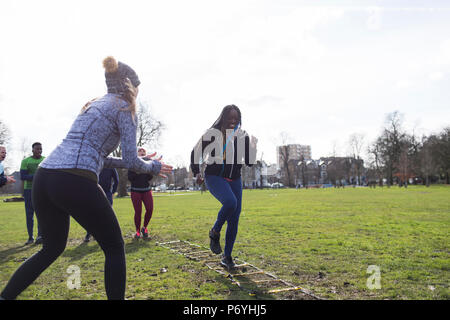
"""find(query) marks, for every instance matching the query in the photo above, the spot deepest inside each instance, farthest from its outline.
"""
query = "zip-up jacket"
(139, 182)
(96, 133)
(227, 169)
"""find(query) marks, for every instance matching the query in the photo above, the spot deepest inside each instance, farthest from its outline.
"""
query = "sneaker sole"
(227, 266)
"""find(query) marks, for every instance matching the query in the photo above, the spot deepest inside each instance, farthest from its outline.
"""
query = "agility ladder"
(260, 278)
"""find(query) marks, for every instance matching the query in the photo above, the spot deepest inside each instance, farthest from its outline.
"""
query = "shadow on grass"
(247, 289)
(83, 249)
(80, 251)
(4, 255)
(244, 284)
(137, 244)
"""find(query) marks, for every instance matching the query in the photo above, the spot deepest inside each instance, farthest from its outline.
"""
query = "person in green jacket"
(27, 169)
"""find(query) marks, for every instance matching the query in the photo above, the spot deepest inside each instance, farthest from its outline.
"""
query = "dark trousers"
(29, 211)
(57, 196)
(109, 196)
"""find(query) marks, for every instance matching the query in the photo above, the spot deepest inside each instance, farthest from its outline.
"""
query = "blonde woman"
(66, 183)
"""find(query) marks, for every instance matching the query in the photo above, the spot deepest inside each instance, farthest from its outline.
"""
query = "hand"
(10, 179)
(165, 168)
(200, 179)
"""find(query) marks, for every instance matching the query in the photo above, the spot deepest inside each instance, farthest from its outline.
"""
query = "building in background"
(292, 152)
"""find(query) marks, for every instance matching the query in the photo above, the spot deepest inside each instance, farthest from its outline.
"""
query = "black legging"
(58, 195)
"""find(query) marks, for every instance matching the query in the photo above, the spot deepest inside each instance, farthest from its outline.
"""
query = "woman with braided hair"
(222, 174)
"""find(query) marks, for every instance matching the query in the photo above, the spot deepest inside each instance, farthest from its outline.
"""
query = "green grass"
(320, 239)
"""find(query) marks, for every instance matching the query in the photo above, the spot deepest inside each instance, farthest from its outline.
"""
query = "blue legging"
(229, 193)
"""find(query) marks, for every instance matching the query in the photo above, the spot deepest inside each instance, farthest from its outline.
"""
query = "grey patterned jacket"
(95, 134)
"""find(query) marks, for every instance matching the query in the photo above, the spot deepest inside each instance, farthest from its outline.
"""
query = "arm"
(197, 154)
(195, 167)
(24, 172)
(250, 150)
(25, 176)
(2, 180)
(6, 179)
(130, 160)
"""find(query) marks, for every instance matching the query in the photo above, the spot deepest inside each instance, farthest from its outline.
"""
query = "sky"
(317, 71)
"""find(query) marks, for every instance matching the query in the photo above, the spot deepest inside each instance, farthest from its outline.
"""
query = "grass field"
(320, 239)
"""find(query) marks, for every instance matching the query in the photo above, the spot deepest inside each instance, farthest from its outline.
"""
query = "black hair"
(36, 144)
(218, 124)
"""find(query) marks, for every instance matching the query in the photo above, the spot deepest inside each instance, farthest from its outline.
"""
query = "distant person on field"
(3, 178)
(28, 168)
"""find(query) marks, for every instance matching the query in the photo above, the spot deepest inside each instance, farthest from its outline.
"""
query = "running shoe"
(30, 241)
(144, 232)
(227, 262)
(38, 240)
(214, 243)
(137, 235)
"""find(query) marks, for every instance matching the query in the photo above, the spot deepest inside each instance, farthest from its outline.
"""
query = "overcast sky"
(317, 70)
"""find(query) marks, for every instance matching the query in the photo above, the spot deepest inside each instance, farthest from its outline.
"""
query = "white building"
(294, 152)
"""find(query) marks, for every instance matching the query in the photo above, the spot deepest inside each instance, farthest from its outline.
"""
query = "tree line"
(397, 156)
(394, 157)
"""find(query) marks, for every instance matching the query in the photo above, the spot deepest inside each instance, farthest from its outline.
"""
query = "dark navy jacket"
(226, 170)
(108, 180)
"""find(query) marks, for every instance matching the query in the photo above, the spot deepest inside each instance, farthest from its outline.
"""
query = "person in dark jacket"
(221, 152)
(108, 179)
(141, 193)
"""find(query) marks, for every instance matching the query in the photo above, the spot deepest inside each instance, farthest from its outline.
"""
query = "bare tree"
(148, 132)
(25, 146)
(284, 157)
(426, 160)
(441, 152)
(356, 142)
(375, 165)
(302, 171)
(389, 144)
(149, 128)
(5, 134)
(403, 167)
